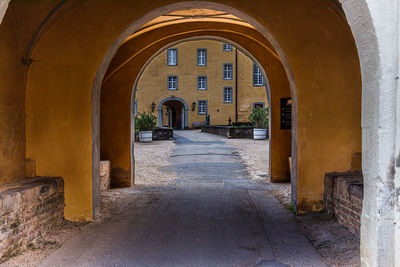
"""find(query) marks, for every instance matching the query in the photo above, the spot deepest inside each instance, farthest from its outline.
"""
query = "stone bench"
(28, 208)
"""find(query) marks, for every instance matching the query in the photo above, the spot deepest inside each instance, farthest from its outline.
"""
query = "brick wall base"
(343, 196)
(28, 208)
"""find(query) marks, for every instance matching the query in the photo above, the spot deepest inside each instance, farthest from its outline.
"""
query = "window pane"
(258, 105)
(202, 107)
(228, 95)
(227, 71)
(227, 47)
(257, 76)
(202, 83)
(172, 57)
(172, 83)
(201, 57)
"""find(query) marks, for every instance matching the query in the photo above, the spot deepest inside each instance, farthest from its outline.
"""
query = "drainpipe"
(236, 85)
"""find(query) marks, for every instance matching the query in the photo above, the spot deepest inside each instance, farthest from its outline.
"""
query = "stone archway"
(379, 74)
(43, 156)
(96, 88)
(185, 114)
(375, 31)
(159, 50)
(3, 9)
(359, 18)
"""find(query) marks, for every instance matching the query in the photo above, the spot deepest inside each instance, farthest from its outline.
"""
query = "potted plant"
(259, 119)
(145, 122)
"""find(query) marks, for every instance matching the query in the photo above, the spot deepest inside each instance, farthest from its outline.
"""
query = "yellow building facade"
(196, 78)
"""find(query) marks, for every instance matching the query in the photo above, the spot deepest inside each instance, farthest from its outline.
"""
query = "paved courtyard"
(209, 214)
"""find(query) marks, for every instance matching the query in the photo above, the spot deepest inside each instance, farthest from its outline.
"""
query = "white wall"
(375, 28)
(3, 8)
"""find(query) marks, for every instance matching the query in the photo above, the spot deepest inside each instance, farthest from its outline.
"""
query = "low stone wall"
(159, 134)
(229, 131)
(28, 208)
(105, 171)
(343, 196)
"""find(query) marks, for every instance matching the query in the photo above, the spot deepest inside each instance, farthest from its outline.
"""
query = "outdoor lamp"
(193, 106)
(153, 106)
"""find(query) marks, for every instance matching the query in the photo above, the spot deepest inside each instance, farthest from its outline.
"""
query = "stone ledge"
(230, 131)
(105, 171)
(28, 208)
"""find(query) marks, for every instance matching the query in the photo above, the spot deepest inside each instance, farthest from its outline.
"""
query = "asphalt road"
(214, 215)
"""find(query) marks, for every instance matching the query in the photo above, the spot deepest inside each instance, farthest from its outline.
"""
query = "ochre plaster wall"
(320, 52)
(152, 85)
(248, 94)
(12, 104)
(16, 32)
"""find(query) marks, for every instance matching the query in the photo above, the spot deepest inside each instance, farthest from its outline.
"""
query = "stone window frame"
(198, 82)
(176, 82)
(226, 47)
(230, 71)
(198, 107)
(257, 76)
(258, 103)
(136, 107)
(176, 56)
(230, 94)
(199, 63)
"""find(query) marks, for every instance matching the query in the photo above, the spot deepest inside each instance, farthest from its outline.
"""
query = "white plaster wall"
(397, 170)
(375, 28)
(3, 8)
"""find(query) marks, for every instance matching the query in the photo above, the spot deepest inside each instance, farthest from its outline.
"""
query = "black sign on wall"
(286, 113)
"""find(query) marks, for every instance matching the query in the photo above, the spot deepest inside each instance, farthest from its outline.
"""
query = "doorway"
(173, 113)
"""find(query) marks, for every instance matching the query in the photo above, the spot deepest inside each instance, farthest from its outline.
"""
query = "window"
(226, 47)
(172, 57)
(258, 105)
(228, 94)
(202, 107)
(202, 82)
(201, 57)
(136, 108)
(257, 76)
(172, 82)
(227, 71)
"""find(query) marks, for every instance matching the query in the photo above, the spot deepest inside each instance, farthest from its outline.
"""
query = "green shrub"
(145, 121)
(259, 117)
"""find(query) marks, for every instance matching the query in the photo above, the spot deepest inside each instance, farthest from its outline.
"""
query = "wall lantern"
(153, 106)
(193, 106)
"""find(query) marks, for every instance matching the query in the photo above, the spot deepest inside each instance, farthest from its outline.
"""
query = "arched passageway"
(117, 83)
(322, 59)
(276, 154)
(119, 79)
(176, 110)
(309, 173)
